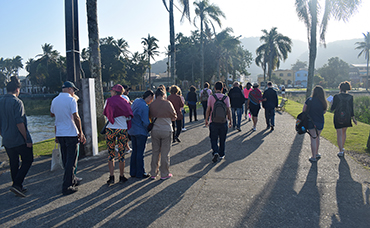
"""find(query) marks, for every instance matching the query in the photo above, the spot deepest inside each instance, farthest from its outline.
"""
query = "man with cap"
(68, 133)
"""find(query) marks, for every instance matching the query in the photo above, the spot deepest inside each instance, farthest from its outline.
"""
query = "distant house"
(301, 78)
(357, 73)
(286, 75)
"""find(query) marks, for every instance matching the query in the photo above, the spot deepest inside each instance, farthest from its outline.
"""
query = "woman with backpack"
(316, 106)
(343, 114)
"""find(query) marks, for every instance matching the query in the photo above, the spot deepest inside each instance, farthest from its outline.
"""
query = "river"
(40, 128)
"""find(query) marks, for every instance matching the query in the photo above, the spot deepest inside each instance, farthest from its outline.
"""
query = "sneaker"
(70, 190)
(195, 120)
(24, 189)
(145, 175)
(318, 156)
(254, 129)
(222, 157)
(17, 191)
(249, 119)
(184, 129)
(164, 178)
(272, 128)
(178, 140)
(110, 180)
(267, 127)
(122, 179)
(215, 158)
(128, 151)
(238, 129)
(311, 159)
(153, 177)
(340, 154)
(79, 178)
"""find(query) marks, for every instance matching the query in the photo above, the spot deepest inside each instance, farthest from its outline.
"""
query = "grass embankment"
(45, 148)
(357, 136)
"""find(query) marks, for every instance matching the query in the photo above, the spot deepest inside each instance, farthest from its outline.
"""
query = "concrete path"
(265, 180)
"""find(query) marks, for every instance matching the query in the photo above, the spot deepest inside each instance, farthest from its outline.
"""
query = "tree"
(262, 59)
(206, 12)
(95, 58)
(365, 50)
(150, 49)
(335, 71)
(298, 65)
(185, 13)
(276, 48)
(307, 11)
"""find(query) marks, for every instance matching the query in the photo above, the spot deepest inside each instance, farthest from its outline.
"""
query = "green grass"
(356, 136)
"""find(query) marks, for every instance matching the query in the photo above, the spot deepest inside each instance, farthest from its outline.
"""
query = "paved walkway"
(265, 180)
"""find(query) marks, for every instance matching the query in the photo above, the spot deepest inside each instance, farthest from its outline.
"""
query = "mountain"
(344, 49)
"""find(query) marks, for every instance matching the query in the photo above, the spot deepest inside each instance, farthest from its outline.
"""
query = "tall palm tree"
(150, 49)
(207, 13)
(95, 58)
(185, 13)
(277, 46)
(365, 50)
(123, 46)
(308, 11)
(262, 59)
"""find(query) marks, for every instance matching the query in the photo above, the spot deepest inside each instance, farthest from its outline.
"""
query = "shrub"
(361, 105)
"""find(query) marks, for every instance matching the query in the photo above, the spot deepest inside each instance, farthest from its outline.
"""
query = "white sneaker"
(340, 154)
(254, 129)
(128, 151)
(184, 129)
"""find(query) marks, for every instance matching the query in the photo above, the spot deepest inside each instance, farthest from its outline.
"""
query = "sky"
(26, 25)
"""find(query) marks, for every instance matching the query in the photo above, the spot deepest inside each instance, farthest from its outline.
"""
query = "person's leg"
(233, 110)
(204, 104)
(165, 153)
(246, 108)
(71, 152)
(213, 135)
(272, 117)
(313, 143)
(195, 112)
(255, 119)
(133, 161)
(26, 154)
(239, 112)
(222, 135)
(183, 119)
(178, 128)
(344, 137)
(174, 131)
(190, 112)
(13, 162)
(339, 139)
(110, 138)
(140, 170)
(122, 139)
(156, 147)
(267, 117)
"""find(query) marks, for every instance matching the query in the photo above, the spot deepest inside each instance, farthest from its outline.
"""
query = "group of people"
(162, 116)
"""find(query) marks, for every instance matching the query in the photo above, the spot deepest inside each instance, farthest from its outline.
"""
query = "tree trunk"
(367, 75)
(172, 42)
(95, 60)
(312, 49)
(201, 53)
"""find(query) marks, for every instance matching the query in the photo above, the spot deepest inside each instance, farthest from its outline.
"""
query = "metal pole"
(69, 22)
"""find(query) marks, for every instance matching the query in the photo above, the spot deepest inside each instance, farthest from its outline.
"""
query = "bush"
(361, 105)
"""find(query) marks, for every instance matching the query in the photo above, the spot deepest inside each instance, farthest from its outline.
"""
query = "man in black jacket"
(269, 105)
(237, 100)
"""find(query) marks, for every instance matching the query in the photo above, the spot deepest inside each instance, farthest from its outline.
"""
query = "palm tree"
(185, 13)
(262, 59)
(365, 49)
(95, 58)
(123, 46)
(277, 47)
(150, 50)
(308, 11)
(206, 12)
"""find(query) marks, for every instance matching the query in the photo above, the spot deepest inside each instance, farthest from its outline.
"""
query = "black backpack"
(301, 125)
(204, 95)
(343, 110)
(219, 111)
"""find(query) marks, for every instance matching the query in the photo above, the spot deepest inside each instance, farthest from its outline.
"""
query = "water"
(40, 127)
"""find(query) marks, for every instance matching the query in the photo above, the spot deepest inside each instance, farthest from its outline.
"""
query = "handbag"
(56, 158)
(301, 125)
(151, 125)
(102, 131)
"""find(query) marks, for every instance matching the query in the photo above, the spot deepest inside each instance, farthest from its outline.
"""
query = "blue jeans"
(68, 149)
(19, 173)
(270, 117)
(218, 131)
(239, 112)
(137, 156)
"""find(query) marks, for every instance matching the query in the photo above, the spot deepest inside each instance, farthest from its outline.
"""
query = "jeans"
(68, 148)
(270, 117)
(18, 174)
(137, 157)
(192, 109)
(183, 118)
(204, 104)
(218, 131)
(176, 125)
(239, 112)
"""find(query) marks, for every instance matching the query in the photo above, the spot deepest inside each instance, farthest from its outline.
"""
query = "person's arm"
(304, 107)
(207, 114)
(77, 120)
(22, 129)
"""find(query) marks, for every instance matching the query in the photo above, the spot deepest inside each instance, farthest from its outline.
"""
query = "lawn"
(357, 136)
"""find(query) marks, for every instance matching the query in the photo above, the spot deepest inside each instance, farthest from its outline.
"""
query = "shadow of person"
(353, 210)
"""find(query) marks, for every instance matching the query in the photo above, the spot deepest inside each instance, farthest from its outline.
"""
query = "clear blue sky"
(28, 24)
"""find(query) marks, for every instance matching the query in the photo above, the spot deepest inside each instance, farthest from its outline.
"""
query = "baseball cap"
(117, 88)
(69, 84)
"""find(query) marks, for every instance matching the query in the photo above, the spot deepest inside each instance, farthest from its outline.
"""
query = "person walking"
(269, 105)
(254, 100)
(119, 114)
(177, 103)
(237, 100)
(182, 109)
(316, 106)
(126, 89)
(218, 112)
(246, 91)
(68, 133)
(205, 93)
(139, 133)
(164, 113)
(343, 114)
(16, 140)
(191, 99)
